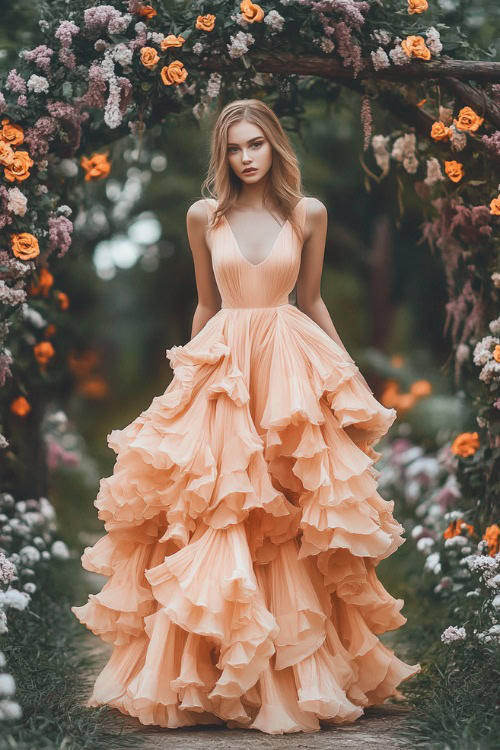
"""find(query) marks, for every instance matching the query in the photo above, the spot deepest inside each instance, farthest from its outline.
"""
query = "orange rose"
(45, 281)
(20, 406)
(49, 331)
(440, 132)
(390, 394)
(96, 167)
(251, 12)
(417, 6)
(11, 133)
(454, 170)
(173, 73)
(172, 41)
(496, 353)
(43, 352)
(415, 45)
(468, 120)
(149, 57)
(6, 153)
(94, 387)
(495, 206)
(465, 444)
(421, 388)
(147, 11)
(492, 536)
(82, 363)
(25, 246)
(63, 300)
(456, 527)
(18, 169)
(206, 22)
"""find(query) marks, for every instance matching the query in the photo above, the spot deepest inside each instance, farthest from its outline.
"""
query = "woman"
(243, 520)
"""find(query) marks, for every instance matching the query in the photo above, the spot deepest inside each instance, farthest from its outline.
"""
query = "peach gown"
(244, 525)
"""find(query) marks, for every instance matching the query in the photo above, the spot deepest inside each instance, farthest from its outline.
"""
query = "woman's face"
(248, 148)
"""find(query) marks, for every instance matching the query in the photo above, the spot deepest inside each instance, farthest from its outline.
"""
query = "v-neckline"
(256, 265)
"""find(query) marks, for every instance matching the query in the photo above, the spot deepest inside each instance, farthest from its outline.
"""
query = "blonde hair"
(285, 178)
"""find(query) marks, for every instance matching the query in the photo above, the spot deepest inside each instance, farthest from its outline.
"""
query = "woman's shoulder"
(198, 211)
(314, 207)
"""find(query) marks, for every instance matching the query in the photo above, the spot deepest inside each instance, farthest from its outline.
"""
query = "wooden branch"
(327, 67)
(480, 103)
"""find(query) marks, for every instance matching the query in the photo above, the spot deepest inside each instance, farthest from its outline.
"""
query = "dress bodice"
(265, 284)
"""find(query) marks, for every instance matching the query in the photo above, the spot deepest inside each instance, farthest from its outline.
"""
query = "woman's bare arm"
(209, 300)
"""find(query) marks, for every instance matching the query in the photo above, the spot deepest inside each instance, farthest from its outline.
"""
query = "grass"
(45, 653)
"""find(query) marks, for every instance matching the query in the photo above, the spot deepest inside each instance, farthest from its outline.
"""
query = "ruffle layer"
(243, 531)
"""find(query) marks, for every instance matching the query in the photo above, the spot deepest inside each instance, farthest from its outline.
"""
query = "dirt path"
(374, 730)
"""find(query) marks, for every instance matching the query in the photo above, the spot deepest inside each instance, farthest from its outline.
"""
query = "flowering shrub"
(27, 543)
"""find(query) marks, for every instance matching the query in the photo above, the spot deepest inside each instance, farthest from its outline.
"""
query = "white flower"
(434, 173)
(433, 563)
(7, 684)
(3, 622)
(240, 43)
(433, 40)
(198, 48)
(417, 530)
(16, 202)
(380, 59)
(494, 582)
(452, 634)
(29, 587)
(274, 20)
(3, 660)
(69, 167)
(456, 541)
(156, 37)
(29, 555)
(398, 55)
(59, 550)
(9, 710)
(496, 602)
(382, 36)
(140, 27)
(425, 544)
(65, 210)
(7, 569)
(47, 509)
(213, 86)
(14, 598)
(458, 139)
(495, 277)
(38, 84)
(495, 327)
(379, 145)
(122, 54)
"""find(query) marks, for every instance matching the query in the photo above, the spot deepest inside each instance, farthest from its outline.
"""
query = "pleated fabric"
(244, 527)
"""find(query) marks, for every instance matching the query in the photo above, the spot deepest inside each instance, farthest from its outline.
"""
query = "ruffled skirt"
(244, 528)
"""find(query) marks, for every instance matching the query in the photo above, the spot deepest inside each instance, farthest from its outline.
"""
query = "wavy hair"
(285, 179)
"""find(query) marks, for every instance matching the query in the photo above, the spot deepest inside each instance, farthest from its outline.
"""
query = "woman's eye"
(231, 149)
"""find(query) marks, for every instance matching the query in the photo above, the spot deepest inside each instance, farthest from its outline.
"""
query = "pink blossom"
(40, 55)
(60, 230)
(492, 142)
(65, 33)
(95, 94)
(5, 361)
(67, 57)
(37, 138)
(22, 101)
(15, 82)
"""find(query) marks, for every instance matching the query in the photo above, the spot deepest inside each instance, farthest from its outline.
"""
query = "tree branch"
(326, 67)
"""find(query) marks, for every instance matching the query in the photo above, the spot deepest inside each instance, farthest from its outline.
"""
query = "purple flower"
(15, 82)
(60, 229)
(40, 55)
(65, 33)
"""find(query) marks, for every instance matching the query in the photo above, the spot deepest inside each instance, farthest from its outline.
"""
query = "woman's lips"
(249, 171)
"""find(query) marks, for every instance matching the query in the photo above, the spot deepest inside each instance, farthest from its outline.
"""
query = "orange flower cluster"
(16, 164)
(417, 6)
(96, 167)
(20, 406)
(25, 246)
(492, 536)
(415, 46)
(495, 208)
(468, 120)
(81, 365)
(45, 282)
(43, 351)
(465, 444)
(454, 170)
(392, 397)
(456, 527)
(440, 132)
(147, 11)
